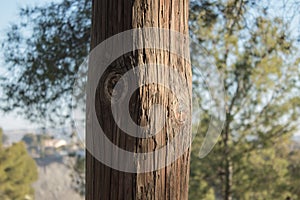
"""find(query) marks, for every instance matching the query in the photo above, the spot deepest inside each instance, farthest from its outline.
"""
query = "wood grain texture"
(170, 183)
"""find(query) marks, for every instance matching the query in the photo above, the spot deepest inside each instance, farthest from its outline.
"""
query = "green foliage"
(1, 138)
(199, 185)
(17, 172)
(261, 81)
(78, 175)
(41, 70)
(294, 169)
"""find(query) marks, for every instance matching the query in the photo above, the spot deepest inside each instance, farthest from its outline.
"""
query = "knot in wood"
(110, 82)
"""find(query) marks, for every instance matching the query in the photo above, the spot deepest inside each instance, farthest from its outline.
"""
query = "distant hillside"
(54, 181)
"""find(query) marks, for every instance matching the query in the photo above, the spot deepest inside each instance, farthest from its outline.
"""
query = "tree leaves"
(17, 172)
(42, 53)
(261, 72)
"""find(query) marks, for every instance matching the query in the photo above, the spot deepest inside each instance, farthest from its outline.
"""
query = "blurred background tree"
(258, 59)
(78, 175)
(17, 172)
(255, 157)
(43, 52)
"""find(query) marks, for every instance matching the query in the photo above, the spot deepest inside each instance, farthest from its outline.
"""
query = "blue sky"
(9, 10)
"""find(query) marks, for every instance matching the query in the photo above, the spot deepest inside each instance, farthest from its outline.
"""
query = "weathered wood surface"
(109, 18)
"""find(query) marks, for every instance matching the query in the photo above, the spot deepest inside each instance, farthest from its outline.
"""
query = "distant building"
(54, 143)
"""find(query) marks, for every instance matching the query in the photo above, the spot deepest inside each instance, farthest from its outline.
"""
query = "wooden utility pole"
(111, 17)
